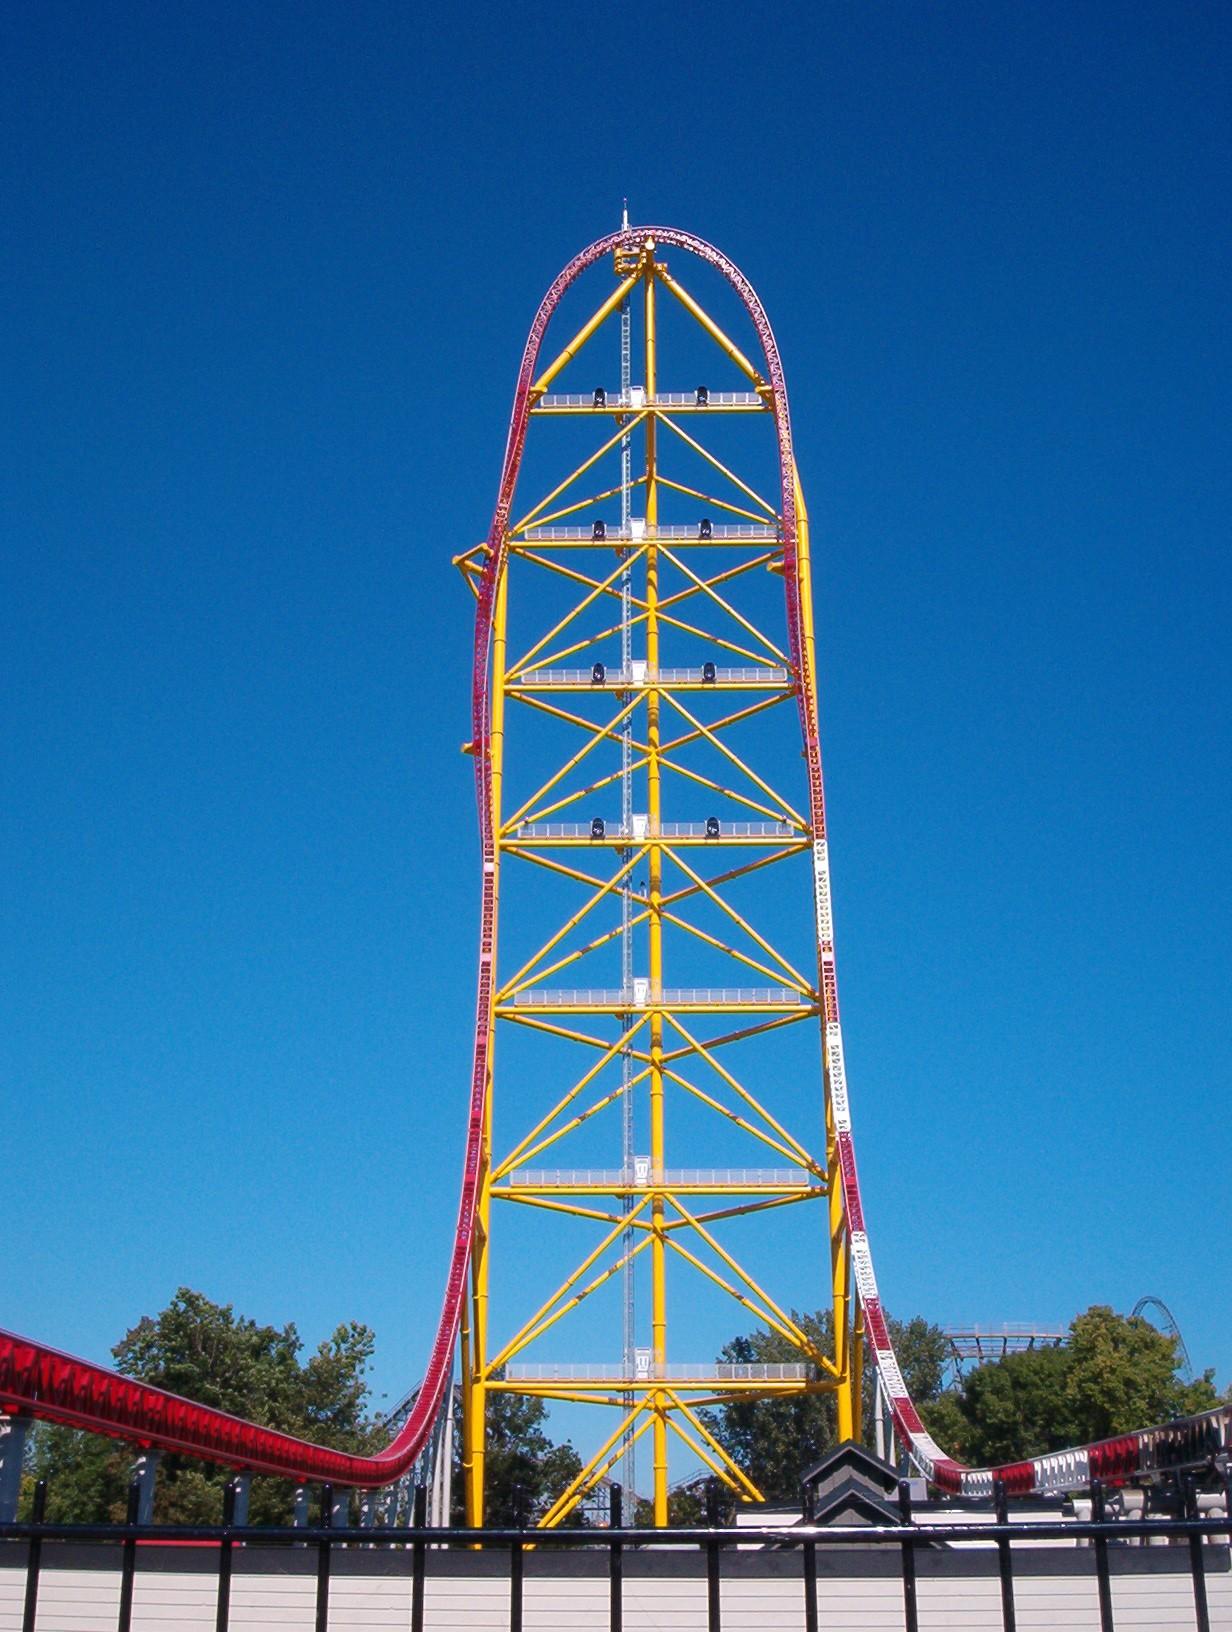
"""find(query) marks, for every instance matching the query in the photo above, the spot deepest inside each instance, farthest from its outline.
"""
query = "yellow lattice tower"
(563, 588)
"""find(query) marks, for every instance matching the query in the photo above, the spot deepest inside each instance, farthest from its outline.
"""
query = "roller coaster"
(649, 626)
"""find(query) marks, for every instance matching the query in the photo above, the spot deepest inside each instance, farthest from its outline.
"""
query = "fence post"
(911, 1613)
(714, 1603)
(1197, 1564)
(419, 1553)
(1004, 1562)
(223, 1614)
(1103, 1581)
(34, 1558)
(516, 1562)
(323, 1560)
(128, 1566)
(809, 1558)
(615, 1567)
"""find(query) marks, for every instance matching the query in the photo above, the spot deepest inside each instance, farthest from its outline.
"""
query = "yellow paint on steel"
(717, 464)
(702, 1453)
(569, 766)
(720, 1213)
(742, 1034)
(797, 1334)
(730, 873)
(583, 1117)
(762, 559)
(658, 1261)
(754, 1307)
(598, 1466)
(544, 1315)
(730, 951)
(599, 893)
(733, 1117)
(711, 327)
(792, 973)
(736, 1476)
(728, 720)
(712, 737)
(574, 475)
(528, 546)
(610, 1051)
(520, 667)
(711, 498)
(474, 1377)
(769, 811)
(530, 1199)
(706, 587)
(661, 1222)
(588, 328)
(514, 847)
(738, 1087)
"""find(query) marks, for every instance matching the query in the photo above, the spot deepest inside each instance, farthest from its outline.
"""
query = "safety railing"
(748, 674)
(674, 1178)
(619, 1563)
(675, 997)
(665, 830)
(567, 1371)
(750, 531)
(622, 401)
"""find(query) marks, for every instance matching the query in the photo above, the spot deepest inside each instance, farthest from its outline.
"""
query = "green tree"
(1122, 1375)
(206, 1352)
(685, 1507)
(524, 1470)
(1007, 1410)
(775, 1441)
(1114, 1374)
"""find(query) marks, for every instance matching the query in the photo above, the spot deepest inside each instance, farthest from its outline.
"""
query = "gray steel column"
(879, 1442)
(243, 1489)
(145, 1469)
(13, 1432)
(442, 1464)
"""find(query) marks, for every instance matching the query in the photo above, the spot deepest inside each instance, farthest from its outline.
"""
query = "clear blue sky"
(268, 271)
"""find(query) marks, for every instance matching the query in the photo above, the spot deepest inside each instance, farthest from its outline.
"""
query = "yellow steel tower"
(709, 856)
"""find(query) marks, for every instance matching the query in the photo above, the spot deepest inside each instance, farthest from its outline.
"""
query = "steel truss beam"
(664, 890)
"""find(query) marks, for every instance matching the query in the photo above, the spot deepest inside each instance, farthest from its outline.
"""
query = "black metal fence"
(1106, 1537)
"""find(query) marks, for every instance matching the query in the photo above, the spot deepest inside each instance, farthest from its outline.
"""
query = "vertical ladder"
(628, 1126)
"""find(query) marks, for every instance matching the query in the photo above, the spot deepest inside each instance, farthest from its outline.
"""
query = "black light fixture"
(598, 674)
(704, 528)
(712, 827)
(600, 397)
(703, 396)
(599, 530)
(708, 674)
(598, 827)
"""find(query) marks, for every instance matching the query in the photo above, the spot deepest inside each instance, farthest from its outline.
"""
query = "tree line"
(1114, 1373)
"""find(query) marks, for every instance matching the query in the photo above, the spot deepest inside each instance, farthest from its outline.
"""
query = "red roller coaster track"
(44, 1383)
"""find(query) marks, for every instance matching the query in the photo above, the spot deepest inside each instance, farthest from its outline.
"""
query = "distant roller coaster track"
(41, 1382)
